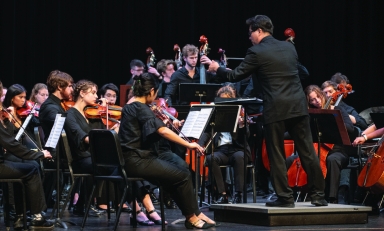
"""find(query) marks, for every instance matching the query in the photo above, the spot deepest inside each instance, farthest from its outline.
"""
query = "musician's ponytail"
(144, 83)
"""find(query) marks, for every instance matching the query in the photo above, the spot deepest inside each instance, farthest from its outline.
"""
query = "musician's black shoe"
(281, 203)
(19, 222)
(319, 202)
(238, 199)
(38, 222)
(223, 199)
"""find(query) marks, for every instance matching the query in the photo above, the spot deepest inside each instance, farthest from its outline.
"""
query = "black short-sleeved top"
(77, 129)
(137, 131)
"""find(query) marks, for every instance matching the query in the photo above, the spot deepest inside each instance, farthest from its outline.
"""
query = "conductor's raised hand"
(213, 66)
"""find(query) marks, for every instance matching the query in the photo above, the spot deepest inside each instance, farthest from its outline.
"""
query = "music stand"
(244, 102)
(378, 119)
(328, 126)
(196, 92)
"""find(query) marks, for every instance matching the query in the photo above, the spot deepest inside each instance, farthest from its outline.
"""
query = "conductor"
(273, 64)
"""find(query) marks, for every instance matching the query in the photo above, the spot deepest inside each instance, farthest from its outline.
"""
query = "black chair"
(6, 200)
(106, 153)
(74, 176)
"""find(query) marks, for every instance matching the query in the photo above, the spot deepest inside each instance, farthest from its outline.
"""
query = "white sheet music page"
(194, 124)
(56, 131)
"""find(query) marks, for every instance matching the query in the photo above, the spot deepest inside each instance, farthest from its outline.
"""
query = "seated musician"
(229, 150)
(15, 99)
(329, 87)
(337, 158)
(187, 74)
(18, 170)
(109, 91)
(370, 133)
(139, 129)
(166, 67)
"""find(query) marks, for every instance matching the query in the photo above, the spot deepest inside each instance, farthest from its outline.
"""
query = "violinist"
(77, 127)
(13, 100)
(60, 88)
(109, 91)
(39, 94)
(229, 150)
(28, 172)
(4, 92)
(139, 129)
(337, 158)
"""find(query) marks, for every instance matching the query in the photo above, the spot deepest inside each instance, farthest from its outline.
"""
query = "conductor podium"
(327, 127)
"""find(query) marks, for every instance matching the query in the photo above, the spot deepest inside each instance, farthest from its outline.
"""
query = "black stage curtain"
(96, 39)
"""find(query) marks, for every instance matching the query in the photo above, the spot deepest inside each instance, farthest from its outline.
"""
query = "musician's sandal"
(199, 224)
(153, 216)
(142, 219)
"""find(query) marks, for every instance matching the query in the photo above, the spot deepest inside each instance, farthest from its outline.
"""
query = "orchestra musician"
(139, 129)
(187, 74)
(274, 64)
(337, 158)
(109, 91)
(39, 94)
(229, 150)
(3, 95)
(166, 68)
(18, 170)
(370, 133)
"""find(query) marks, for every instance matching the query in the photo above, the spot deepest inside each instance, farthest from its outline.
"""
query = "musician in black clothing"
(187, 74)
(274, 64)
(26, 171)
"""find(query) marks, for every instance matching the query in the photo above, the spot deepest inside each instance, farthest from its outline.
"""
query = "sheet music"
(56, 131)
(195, 123)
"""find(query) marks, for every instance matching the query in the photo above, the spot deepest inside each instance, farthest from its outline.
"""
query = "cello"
(372, 174)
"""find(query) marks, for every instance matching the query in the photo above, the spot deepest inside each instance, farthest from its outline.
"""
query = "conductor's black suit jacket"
(274, 65)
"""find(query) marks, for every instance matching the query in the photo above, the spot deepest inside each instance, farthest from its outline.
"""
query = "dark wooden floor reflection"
(176, 222)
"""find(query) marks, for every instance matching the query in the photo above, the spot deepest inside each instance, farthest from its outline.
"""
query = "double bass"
(151, 59)
(178, 56)
(203, 51)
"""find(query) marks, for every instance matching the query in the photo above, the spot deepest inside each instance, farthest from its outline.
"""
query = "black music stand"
(222, 119)
(244, 102)
(328, 126)
(196, 92)
(378, 119)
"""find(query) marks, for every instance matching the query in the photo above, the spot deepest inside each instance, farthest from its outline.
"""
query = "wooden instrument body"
(372, 174)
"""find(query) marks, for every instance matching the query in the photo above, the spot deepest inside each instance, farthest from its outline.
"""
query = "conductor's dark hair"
(262, 22)
(136, 63)
(144, 83)
(15, 89)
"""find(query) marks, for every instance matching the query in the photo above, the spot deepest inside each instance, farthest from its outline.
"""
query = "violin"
(203, 51)
(170, 111)
(178, 56)
(26, 109)
(151, 57)
(109, 115)
(67, 104)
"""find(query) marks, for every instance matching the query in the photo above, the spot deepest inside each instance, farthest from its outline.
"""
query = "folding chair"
(106, 152)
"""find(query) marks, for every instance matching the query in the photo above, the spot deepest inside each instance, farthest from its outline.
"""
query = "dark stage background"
(96, 39)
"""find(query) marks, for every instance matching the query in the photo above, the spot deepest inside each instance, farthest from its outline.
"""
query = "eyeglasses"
(138, 70)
